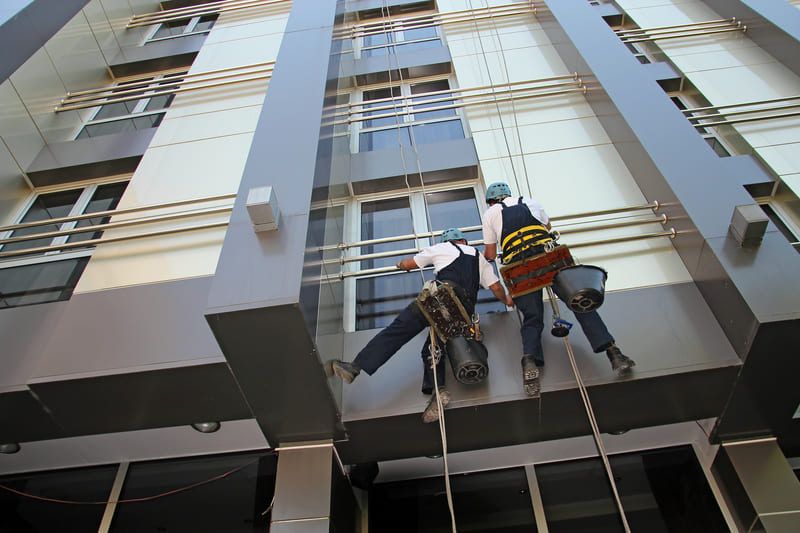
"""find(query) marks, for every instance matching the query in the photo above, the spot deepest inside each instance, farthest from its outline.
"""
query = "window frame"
(395, 34)
(352, 232)
(88, 190)
(405, 110)
(709, 133)
(140, 107)
(190, 29)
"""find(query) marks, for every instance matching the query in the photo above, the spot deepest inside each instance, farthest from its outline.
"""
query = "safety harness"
(529, 239)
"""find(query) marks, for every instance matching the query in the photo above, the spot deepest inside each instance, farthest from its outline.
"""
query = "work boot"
(431, 412)
(530, 377)
(620, 362)
(347, 371)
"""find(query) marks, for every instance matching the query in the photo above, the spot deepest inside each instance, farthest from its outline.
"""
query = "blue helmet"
(452, 234)
(496, 190)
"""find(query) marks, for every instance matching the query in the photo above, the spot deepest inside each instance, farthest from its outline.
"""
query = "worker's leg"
(386, 343)
(427, 372)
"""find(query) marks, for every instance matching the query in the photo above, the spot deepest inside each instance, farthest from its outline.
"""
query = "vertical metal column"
(303, 488)
(759, 484)
(113, 497)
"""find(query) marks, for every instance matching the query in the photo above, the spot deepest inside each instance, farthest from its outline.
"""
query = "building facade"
(202, 203)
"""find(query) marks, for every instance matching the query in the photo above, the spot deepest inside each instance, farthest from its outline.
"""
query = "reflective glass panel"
(29, 515)
(484, 502)
(386, 105)
(105, 198)
(233, 504)
(380, 299)
(45, 207)
(40, 283)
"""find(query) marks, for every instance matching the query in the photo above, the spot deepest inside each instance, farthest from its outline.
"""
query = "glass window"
(141, 107)
(25, 514)
(483, 502)
(380, 298)
(233, 504)
(407, 104)
(183, 27)
(661, 491)
(395, 36)
(50, 276)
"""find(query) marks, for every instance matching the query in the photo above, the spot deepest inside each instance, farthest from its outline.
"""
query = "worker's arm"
(490, 253)
(500, 293)
(407, 264)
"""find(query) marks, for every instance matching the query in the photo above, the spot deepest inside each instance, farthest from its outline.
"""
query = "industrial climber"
(522, 228)
(454, 263)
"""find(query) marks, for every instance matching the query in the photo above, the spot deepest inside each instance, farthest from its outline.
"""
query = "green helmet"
(452, 234)
(497, 190)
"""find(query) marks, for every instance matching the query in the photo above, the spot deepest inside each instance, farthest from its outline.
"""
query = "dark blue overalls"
(519, 216)
(463, 274)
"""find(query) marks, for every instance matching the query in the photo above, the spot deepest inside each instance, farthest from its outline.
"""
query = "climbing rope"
(435, 350)
(436, 356)
(593, 422)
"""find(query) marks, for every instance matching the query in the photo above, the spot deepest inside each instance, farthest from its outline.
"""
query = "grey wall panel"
(24, 332)
(745, 288)
(112, 331)
(685, 370)
(279, 371)
(153, 57)
(772, 25)
(383, 170)
(392, 68)
(257, 305)
(142, 400)
(23, 418)
(90, 158)
(25, 31)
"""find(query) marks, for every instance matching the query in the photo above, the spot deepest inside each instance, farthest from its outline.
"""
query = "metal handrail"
(435, 19)
(116, 225)
(510, 86)
(747, 119)
(211, 8)
(111, 212)
(687, 25)
(758, 102)
(683, 36)
(412, 251)
(672, 233)
(178, 86)
(655, 205)
(107, 240)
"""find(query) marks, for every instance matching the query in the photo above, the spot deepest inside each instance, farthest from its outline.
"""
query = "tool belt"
(442, 309)
(535, 273)
(439, 304)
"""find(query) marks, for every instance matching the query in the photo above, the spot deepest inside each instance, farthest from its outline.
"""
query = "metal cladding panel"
(172, 53)
(28, 30)
(279, 372)
(23, 418)
(94, 157)
(745, 288)
(685, 370)
(558, 414)
(303, 483)
(774, 26)
(141, 400)
(765, 401)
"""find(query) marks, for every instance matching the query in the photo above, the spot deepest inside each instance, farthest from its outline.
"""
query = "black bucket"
(468, 359)
(581, 287)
